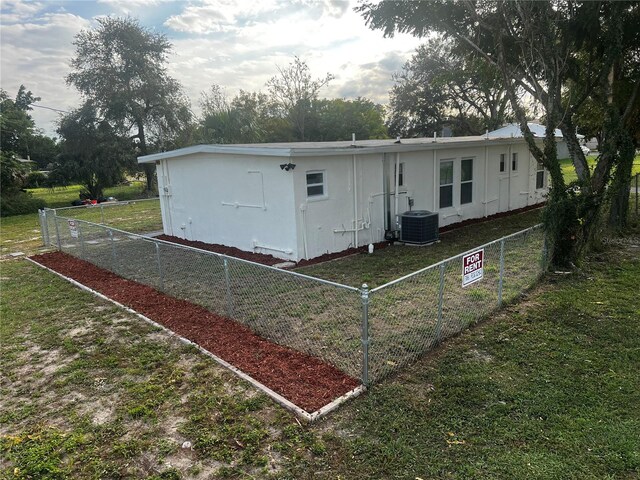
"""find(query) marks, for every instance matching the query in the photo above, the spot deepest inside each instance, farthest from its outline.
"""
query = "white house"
(301, 200)
(538, 131)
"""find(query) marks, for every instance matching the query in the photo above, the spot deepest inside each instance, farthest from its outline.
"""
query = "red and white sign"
(73, 228)
(472, 267)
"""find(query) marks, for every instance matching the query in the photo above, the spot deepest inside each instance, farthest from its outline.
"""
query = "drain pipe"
(303, 210)
(486, 173)
(355, 202)
(397, 187)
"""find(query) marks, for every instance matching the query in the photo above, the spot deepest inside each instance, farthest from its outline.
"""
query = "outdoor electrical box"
(419, 227)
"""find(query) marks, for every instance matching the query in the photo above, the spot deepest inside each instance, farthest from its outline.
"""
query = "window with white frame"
(446, 183)
(514, 162)
(502, 162)
(316, 186)
(466, 180)
(400, 175)
(540, 176)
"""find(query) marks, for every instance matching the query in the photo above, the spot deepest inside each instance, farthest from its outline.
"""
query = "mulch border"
(301, 361)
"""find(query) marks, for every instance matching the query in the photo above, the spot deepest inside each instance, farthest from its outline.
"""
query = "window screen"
(466, 180)
(446, 184)
(315, 184)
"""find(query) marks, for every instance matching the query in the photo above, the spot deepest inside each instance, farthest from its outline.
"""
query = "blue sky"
(236, 44)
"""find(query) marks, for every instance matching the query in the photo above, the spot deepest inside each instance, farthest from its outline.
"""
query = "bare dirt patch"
(306, 381)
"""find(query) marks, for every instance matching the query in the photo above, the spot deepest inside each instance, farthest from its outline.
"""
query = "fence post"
(42, 226)
(83, 254)
(440, 301)
(501, 273)
(102, 214)
(160, 272)
(227, 280)
(55, 220)
(364, 295)
(45, 222)
(114, 257)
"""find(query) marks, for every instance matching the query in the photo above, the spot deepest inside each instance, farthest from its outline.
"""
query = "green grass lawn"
(569, 171)
(395, 261)
(547, 389)
(63, 196)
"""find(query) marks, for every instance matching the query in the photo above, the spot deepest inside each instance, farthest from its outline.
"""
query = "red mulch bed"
(304, 380)
(262, 258)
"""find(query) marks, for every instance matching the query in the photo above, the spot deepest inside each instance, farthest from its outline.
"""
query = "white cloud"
(236, 44)
(36, 53)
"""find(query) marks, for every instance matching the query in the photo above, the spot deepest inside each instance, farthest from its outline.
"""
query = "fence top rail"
(103, 204)
(455, 257)
(215, 254)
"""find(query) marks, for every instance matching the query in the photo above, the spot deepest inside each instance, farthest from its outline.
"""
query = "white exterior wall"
(247, 201)
(233, 200)
(327, 224)
(493, 191)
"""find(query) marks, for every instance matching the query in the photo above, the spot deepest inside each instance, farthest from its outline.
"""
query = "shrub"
(36, 180)
(19, 203)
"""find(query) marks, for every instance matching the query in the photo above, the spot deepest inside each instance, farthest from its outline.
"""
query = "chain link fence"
(412, 314)
(368, 334)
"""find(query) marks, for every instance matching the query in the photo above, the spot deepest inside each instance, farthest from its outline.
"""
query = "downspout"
(397, 187)
(303, 210)
(435, 187)
(355, 203)
(486, 174)
(509, 165)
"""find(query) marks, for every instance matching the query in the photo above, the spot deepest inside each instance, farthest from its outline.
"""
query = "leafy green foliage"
(442, 86)
(92, 151)
(120, 68)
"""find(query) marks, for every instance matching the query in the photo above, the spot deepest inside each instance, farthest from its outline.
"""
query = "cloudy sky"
(234, 43)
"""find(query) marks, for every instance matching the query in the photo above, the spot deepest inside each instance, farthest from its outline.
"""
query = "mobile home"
(301, 200)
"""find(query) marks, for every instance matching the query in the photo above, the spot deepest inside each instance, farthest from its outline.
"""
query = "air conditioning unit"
(419, 226)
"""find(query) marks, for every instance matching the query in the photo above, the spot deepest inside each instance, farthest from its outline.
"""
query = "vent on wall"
(419, 226)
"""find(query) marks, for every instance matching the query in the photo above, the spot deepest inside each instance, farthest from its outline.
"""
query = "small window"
(400, 178)
(540, 176)
(514, 162)
(466, 180)
(446, 184)
(502, 162)
(315, 184)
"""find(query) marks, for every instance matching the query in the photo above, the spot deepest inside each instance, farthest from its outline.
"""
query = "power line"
(48, 108)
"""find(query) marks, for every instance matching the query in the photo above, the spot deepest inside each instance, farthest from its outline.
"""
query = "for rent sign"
(472, 267)
(73, 228)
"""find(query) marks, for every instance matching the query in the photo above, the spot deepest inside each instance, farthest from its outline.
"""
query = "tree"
(17, 130)
(338, 119)
(120, 68)
(538, 47)
(442, 86)
(16, 125)
(238, 121)
(294, 91)
(93, 154)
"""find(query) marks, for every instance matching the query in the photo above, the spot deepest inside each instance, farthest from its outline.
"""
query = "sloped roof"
(513, 130)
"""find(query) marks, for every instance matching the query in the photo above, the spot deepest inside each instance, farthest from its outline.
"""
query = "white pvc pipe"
(486, 174)
(509, 165)
(435, 187)
(355, 201)
(396, 193)
(303, 209)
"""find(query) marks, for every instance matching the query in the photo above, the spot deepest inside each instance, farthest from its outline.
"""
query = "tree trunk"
(148, 168)
(620, 187)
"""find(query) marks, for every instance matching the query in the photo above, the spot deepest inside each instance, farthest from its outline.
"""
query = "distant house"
(302, 200)
(513, 130)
